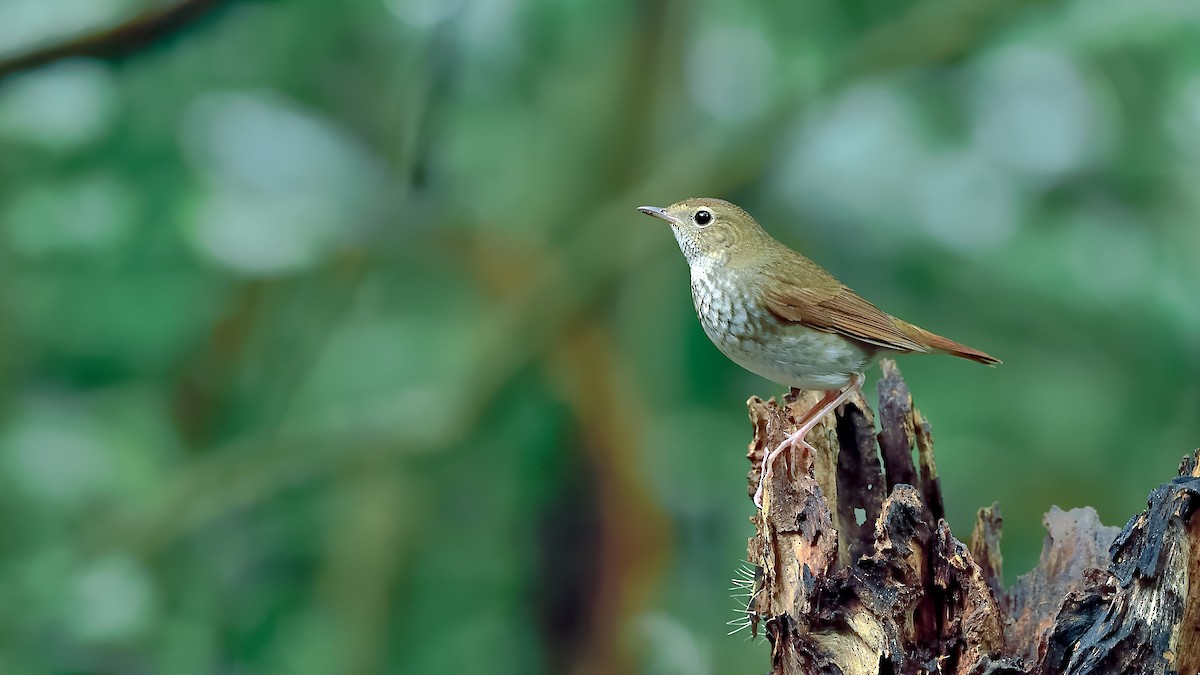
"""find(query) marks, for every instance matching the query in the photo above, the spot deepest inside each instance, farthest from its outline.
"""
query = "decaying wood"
(1075, 543)
(858, 572)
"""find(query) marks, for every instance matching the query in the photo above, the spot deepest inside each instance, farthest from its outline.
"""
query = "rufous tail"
(938, 343)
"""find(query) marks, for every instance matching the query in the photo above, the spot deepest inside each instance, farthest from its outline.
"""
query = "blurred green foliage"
(330, 341)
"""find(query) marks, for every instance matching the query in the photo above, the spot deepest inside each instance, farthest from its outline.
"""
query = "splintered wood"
(860, 575)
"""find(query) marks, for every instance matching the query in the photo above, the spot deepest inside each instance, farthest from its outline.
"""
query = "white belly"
(808, 360)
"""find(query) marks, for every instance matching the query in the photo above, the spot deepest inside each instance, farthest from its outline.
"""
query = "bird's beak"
(657, 213)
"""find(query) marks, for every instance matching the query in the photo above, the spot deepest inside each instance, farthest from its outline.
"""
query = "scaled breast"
(724, 310)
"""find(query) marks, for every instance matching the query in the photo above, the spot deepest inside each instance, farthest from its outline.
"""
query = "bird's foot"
(796, 439)
(828, 403)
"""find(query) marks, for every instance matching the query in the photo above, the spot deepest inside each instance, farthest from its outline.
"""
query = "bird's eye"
(703, 217)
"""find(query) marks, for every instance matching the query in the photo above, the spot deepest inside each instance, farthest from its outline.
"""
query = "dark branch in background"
(117, 42)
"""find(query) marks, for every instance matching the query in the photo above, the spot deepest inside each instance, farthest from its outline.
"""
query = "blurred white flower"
(57, 454)
(259, 235)
(1033, 111)
(855, 157)
(60, 107)
(112, 599)
(488, 28)
(282, 189)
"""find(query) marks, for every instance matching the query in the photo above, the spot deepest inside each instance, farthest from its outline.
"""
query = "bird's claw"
(768, 464)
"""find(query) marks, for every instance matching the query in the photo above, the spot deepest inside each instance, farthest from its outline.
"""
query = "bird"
(783, 317)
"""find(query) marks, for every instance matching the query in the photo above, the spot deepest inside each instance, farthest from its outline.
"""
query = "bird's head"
(708, 229)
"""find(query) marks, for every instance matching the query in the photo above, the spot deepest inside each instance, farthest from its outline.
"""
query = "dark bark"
(116, 42)
(899, 593)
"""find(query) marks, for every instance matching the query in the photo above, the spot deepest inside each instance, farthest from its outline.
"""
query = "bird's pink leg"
(826, 405)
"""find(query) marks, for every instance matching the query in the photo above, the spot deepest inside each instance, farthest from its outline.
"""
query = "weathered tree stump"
(859, 574)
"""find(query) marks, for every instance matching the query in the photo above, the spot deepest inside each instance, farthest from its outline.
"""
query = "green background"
(331, 341)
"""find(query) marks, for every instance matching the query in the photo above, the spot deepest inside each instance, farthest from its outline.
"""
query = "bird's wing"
(833, 308)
